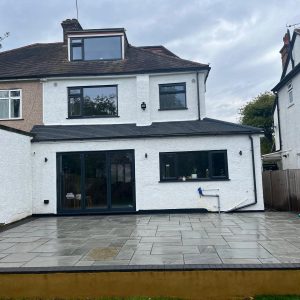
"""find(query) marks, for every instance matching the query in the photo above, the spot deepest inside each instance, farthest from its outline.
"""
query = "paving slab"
(154, 239)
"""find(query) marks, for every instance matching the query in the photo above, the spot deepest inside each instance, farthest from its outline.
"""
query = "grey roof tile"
(46, 60)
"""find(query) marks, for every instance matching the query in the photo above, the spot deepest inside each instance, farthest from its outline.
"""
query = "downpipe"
(254, 182)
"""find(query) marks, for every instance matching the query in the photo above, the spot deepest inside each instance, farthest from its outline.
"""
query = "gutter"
(41, 140)
(254, 181)
(92, 74)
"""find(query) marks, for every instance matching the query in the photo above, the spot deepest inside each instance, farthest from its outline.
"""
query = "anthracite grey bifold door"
(96, 181)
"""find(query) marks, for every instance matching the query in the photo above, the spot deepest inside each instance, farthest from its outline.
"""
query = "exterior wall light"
(143, 105)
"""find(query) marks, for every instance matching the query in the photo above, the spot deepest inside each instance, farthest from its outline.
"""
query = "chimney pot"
(285, 49)
(69, 25)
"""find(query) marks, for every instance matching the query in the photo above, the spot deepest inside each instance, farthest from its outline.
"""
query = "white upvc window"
(290, 93)
(10, 104)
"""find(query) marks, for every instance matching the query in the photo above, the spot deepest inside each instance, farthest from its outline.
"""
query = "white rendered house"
(124, 129)
(286, 109)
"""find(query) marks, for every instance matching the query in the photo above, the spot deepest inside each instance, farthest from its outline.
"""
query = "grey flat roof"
(160, 129)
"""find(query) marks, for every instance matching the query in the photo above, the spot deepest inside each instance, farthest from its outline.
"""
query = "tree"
(259, 113)
(6, 34)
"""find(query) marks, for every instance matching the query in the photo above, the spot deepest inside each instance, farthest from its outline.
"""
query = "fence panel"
(282, 189)
(267, 188)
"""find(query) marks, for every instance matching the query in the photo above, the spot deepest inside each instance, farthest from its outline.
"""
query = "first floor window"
(172, 96)
(290, 93)
(93, 101)
(10, 104)
(193, 165)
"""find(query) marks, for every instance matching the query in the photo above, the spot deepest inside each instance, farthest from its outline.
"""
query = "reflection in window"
(290, 92)
(93, 101)
(10, 104)
(96, 48)
(172, 96)
(201, 165)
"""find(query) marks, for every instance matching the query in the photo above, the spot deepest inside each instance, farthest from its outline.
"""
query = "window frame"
(210, 166)
(9, 103)
(81, 116)
(290, 93)
(160, 86)
(81, 44)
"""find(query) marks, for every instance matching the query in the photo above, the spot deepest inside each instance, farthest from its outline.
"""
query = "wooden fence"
(282, 190)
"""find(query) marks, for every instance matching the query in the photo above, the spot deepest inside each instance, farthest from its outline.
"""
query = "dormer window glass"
(96, 48)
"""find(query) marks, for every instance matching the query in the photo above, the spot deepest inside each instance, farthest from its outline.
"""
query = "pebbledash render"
(120, 129)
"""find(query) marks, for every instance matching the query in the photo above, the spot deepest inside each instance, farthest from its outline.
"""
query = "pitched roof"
(14, 130)
(205, 127)
(51, 60)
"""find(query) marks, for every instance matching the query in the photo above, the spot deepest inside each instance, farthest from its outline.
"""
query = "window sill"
(195, 180)
(94, 60)
(93, 117)
(16, 119)
(182, 108)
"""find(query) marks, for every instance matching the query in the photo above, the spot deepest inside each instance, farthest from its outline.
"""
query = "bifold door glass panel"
(71, 181)
(206, 165)
(96, 181)
(121, 179)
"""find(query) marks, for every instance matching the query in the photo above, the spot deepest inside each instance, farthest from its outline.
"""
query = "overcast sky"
(240, 39)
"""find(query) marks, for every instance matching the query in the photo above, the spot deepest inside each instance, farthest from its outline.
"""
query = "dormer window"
(96, 48)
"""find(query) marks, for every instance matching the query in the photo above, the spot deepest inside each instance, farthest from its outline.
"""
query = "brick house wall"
(32, 104)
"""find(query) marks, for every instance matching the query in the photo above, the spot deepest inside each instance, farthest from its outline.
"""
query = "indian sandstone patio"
(157, 239)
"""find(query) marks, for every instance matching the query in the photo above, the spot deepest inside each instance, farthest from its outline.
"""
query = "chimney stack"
(285, 49)
(70, 25)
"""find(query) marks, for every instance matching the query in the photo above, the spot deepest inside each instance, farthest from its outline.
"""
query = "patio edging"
(145, 268)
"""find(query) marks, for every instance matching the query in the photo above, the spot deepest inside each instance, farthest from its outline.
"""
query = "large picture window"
(93, 101)
(172, 96)
(193, 165)
(10, 104)
(96, 48)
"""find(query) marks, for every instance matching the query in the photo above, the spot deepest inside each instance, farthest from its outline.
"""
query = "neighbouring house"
(286, 107)
(117, 128)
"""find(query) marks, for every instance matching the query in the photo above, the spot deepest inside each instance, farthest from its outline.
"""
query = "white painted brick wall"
(132, 91)
(290, 125)
(15, 177)
(150, 193)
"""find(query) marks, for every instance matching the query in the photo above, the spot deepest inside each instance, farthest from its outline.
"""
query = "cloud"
(240, 39)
